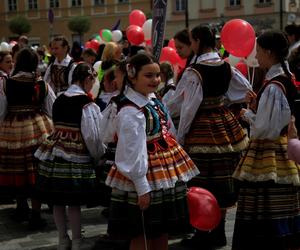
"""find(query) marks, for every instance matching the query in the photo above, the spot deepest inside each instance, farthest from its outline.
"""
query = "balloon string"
(144, 231)
(252, 80)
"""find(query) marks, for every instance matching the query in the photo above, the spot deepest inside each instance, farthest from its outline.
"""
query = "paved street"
(16, 236)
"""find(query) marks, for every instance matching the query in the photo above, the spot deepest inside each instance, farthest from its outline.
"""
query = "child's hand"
(144, 201)
(292, 130)
(251, 99)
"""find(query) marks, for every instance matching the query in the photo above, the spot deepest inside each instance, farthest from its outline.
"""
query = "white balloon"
(4, 46)
(147, 28)
(250, 60)
(116, 35)
(233, 60)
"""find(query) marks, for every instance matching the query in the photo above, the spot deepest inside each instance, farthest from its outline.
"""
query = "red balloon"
(137, 17)
(169, 54)
(148, 42)
(135, 34)
(238, 37)
(242, 67)
(93, 44)
(171, 43)
(205, 213)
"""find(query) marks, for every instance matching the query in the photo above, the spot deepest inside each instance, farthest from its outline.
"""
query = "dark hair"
(3, 54)
(183, 36)
(167, 69)
(26, 60)
(89, 52)
(293, 29)
(278, 44)
(63, 40)
(81, 72)
(206, 36)
(76, 51)
(136, 63)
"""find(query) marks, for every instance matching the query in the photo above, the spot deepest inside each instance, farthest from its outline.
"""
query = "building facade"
(103, 14)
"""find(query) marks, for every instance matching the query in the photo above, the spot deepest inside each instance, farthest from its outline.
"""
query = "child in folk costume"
(268, 213)
(209, 132)
(148, 178)
(25, 111)
(66, 175)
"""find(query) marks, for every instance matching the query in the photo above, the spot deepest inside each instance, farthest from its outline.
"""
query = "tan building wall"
(199, 11)
(101, 17)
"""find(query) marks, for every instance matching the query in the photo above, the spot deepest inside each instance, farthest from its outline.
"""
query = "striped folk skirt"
(20, 135)
(268, 213)
(268, 217)
(215, 143)
(61, 182)
(167, 213)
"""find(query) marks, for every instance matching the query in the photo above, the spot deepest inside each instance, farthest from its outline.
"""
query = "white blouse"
(90, 124)
(189, 94)
(273, 112)
(46, 106)
(129, 124)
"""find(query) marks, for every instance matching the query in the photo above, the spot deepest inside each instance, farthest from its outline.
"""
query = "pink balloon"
(205, 213)
(238, 37)
(137, 17)
(169, 54)
(135, 34)
(171, 43)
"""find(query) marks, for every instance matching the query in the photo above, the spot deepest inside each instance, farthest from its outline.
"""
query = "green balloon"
(97, 37)
(106, 35)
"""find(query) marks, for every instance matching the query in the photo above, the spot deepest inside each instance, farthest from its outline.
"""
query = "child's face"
(147, 79)
(7, 64)
(119, 77)
(262, 56)
(183, 50)
(89, 59)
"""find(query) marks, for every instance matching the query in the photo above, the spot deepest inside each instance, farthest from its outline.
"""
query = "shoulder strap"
(67, 71)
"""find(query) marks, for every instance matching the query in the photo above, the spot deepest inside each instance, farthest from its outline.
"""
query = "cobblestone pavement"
(16, 236)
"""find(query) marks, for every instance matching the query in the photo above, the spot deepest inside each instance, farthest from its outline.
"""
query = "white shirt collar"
(275, 70)
(73, 90)
(65, 62)
(137, 98)
(210, 56)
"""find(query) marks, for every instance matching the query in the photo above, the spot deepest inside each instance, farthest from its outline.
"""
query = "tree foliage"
(79, 24)
(19, 25)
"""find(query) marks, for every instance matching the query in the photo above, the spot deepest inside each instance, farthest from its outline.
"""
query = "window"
(12, 5)
(32, 4)
(54, 4)
(180, 5)
(234, 3)
(76, 3)
(123, 1)
(264, 1)
(98, 2)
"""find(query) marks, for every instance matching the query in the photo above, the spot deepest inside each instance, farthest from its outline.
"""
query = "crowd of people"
(117, 128)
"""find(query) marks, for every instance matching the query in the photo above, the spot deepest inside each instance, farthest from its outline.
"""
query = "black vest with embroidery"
(67, 111)
(25, 92)
(215, 78)
(289, 90)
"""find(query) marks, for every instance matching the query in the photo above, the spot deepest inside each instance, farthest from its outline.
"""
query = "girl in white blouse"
(268, 213)
(148, 199)
(209, 132)
(67, 159)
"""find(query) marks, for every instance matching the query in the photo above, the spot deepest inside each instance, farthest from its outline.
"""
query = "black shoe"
(105, 213)
(36, 222)
(218, 237)
(20, 215)
(196, 242)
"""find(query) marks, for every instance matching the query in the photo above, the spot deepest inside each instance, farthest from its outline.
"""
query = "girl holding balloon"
(148, 199)
(268, 213)
(209, 132)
